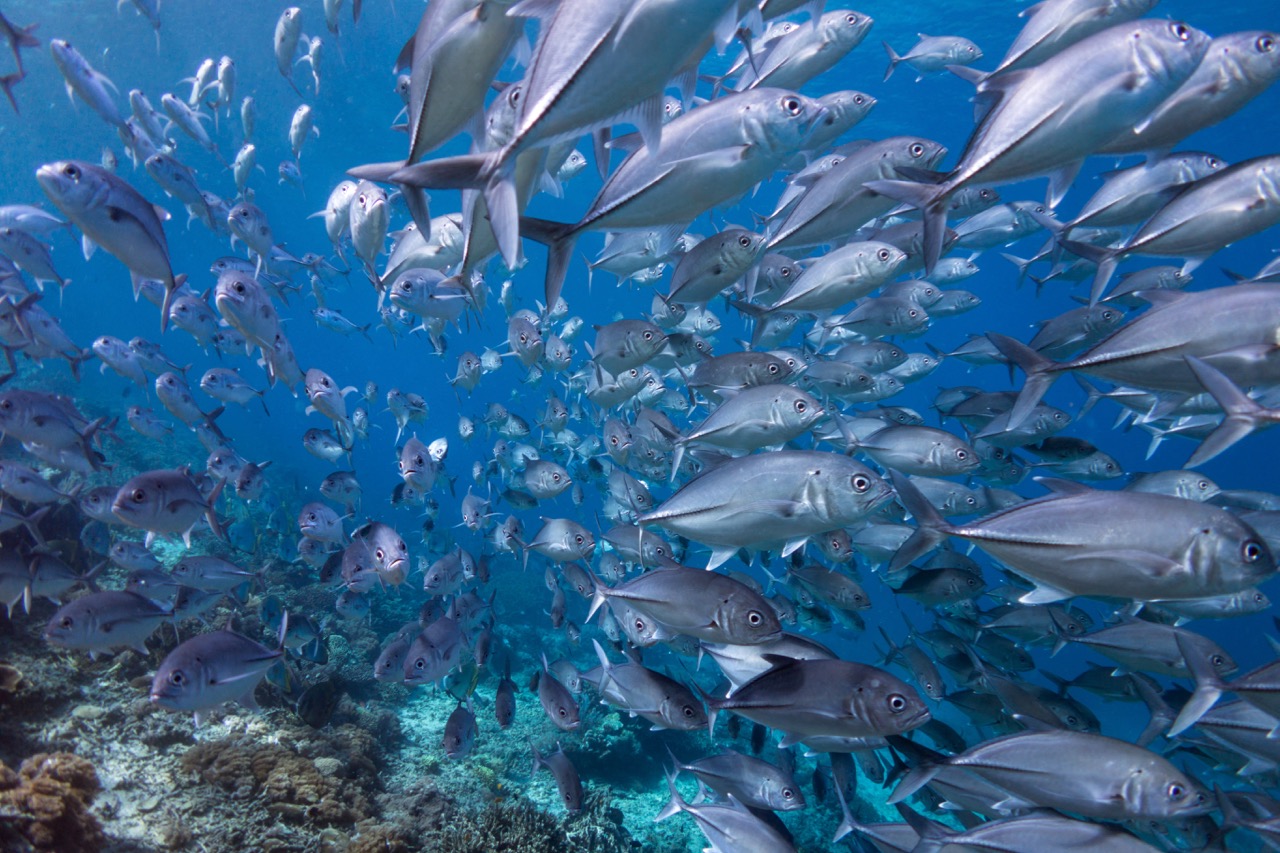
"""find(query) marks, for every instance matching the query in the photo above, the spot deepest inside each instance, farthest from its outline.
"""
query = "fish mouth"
(917, 719)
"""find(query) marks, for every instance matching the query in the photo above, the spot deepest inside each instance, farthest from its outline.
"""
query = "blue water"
(354, 110)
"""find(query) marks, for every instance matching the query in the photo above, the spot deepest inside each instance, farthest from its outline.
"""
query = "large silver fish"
(783, 496)
(115, 216)
(1050, 118)
(1081, 541)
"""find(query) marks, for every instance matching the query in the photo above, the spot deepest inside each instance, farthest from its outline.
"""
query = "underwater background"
(369, 771)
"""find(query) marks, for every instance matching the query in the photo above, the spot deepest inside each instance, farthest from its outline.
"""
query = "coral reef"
(519, 825)
(45, 805)
(321, 780)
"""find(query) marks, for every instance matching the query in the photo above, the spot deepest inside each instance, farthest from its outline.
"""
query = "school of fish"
(720, 523)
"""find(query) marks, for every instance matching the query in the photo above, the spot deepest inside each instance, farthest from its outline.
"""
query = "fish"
(105, 621)
(567, 781)
(1054, 116)
(287, 34)
(166, 502)
(1090, 777)
(780, 496)
(113, 215)
(932, 54)
(208, 670)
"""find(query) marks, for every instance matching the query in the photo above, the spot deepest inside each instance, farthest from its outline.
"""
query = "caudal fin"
(1041, 373)
(931, 528)
(1106, 259)
(931, 200)
(1243, 414)
(559, 238)
(1209, 687)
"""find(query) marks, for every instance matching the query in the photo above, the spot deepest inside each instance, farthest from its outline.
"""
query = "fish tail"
(675, 805)
(379, 172)
(211, 513)
(559, 238)
(1106, 259)
(173, 286)
(463, 172)
(1209, 687)
(928, 192)
(419, 204)
(1243, 414)
(927, 766)
(7, 82)
(1041, 373)
(931, 528)
(894, 59)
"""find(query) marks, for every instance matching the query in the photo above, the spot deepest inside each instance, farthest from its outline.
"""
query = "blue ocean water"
(354, 109)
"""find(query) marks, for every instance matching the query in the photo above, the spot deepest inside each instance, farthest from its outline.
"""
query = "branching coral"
(45, 805)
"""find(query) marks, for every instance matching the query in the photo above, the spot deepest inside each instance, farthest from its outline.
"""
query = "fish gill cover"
(405, 400)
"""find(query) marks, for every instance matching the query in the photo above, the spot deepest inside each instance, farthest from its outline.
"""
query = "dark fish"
(318, 702)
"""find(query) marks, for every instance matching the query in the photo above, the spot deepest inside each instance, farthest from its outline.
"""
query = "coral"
(45, 805)
(380, 838)
(519, 825)
(291, 784)
(505, 826)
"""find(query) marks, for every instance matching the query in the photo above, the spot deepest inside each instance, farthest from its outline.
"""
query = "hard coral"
(293, 787)
(519, 825)
(45, 805)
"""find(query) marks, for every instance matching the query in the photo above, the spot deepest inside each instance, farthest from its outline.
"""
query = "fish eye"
(66, 622)
(139, 496)
(917, 150)
(1108, 314)
(176, 678)
(1259, 597)
(858, 99)
(755, 618)
(744, 241)
(1202, 484)
(648, 336)
(969, 49)
(801, 406)
(1175, 791)
(564, 712)
(861, 483)
(1182, 31)
(883, 254)
(785, 272)
(897, 702)
(773, 368)
(1217, 660)
(71, 171)
(792, 105)
(688, 712)
(1265, 44)
(788, 794)
(1252, 551)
